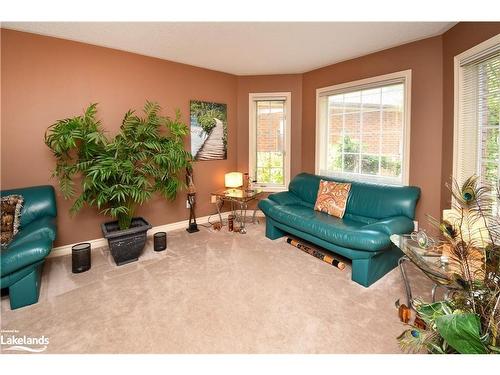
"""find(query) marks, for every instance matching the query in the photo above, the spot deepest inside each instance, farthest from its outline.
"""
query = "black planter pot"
(126, 245)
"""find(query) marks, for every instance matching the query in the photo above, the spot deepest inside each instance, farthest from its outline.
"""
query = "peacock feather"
(470, 238)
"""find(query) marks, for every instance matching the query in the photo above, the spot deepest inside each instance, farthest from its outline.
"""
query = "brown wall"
(458, 39)
(424, 59)
(272, 83)
(45, 79)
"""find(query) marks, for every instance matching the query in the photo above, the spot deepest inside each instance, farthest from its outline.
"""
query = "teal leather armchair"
(373, 213)
(22, 260)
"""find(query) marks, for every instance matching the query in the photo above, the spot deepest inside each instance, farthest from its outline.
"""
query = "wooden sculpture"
(191, 198)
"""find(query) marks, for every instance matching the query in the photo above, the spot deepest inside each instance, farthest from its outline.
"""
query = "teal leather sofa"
(373, 213)
(22, 260)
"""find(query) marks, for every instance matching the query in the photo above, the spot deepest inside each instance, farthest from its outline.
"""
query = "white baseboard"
(100, 242)
(66, 249)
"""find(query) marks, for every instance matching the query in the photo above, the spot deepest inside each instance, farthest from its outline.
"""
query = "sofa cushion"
(365, 200)
(285, 197)
(343, 232)
(10, 218)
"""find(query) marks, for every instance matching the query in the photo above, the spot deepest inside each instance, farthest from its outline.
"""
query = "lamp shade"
(233, 179)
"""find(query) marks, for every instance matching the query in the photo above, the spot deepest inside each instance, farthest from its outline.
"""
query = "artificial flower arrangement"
(468, 320)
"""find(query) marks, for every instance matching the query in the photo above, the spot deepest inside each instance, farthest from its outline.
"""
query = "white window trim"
(252, 145)
(458, 74)
(364, 84)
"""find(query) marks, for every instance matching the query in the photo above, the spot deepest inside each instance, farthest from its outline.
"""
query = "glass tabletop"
(408, 243)
(238, 194)
(427, 258)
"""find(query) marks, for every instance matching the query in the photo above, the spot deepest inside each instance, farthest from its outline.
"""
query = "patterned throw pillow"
(11, 215)
(332, 197)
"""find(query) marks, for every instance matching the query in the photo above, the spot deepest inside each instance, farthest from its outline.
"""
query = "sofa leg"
(367, 271)
(272, 231)
(27, 290)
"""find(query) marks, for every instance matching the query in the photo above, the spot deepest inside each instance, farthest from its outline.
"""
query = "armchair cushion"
(39, 201)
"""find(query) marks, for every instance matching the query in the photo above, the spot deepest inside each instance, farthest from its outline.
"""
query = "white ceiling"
(243, 48)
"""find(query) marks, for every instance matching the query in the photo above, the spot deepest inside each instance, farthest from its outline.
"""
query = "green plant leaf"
(462, 332)
(431, 311)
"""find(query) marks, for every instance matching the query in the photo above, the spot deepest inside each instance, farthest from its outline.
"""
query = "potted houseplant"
(468, 320)
(118, 174)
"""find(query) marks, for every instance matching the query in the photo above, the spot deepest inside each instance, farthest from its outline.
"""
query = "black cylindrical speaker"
(160, 241)
(80, 257)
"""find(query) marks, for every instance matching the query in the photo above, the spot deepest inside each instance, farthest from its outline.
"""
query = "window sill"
(271, 189)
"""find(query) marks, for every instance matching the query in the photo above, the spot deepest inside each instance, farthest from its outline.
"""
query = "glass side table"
(239, 199)
(428, 260)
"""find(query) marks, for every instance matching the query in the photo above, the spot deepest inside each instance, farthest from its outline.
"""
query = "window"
(269, 147)
(477, 107)
(363, 127)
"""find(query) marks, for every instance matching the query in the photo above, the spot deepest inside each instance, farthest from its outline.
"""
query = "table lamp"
(233, 180)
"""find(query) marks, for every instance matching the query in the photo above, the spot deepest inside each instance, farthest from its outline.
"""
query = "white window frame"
(252, 146)
(362, 84)
(458, 73)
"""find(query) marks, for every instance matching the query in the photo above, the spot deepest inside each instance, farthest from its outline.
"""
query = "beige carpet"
(213, 292)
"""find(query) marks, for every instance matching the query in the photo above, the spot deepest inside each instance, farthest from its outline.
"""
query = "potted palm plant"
(117, 174)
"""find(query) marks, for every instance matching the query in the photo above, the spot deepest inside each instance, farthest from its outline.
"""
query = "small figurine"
(404, 312)
(246, 182)
(422, 239)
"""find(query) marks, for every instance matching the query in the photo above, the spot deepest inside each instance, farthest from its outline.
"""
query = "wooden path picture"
(208, 130)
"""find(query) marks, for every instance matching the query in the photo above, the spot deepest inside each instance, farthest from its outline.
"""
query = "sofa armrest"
(266, 204)
(39, 201)
(285, 197)
(24, 254)
(392, 225)
(39, 229)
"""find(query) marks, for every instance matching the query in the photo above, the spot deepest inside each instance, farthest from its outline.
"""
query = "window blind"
(477, 143)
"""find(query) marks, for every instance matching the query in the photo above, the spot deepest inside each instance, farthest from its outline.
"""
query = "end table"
(239, 200)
